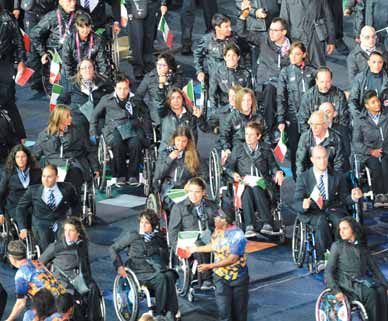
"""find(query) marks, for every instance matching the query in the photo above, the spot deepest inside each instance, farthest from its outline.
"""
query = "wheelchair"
(89, 207)
(129, 297)
(303, 244)
(216, 172)
(361, 177)
(327, 308)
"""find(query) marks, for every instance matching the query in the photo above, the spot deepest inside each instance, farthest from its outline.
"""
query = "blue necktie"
(51, 200)
(321, 187)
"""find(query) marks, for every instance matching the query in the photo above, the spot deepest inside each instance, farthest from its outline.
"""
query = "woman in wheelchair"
(19, 173)
(253, 166)
(176, 164)
(127, 130)
(194, 214)
(67, 146)
(174, 113)
(353, 272)
(84, 93)
(69, 258)
(148, 259)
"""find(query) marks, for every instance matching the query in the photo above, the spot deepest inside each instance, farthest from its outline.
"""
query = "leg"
(224, 296)
(172, 302)
(42, 233)
(384, 167)
(240, 299)
(136, 35)
(3, 300)
(334, 218)
(135, 155)
(159, 284)
(248, 206)
(262, 205)
(209, 9)
(269, 101)
(119, 149)
(187, 22)
(75, 177)
(322, 234)
(149, 27)
(370, 299)
(376, 174)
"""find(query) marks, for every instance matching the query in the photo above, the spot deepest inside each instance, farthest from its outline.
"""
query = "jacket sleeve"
(199, 54)
(242, 32)
(352, 67)
(163, 164)
(99, 110)
(123, 242)
(339, 159)
(22, 209)
(101, 59)
(231, 164)
(20, 50)
(328, 14)
(40, 34)
(226, 133)
(161, 103)
(3, 191)
(213, 87)
(142, 89)
(48, 255)
(331, 269)
(300, 193)
(358, 146)
(74, 201)
(303, 113)
(91, 152)
(302, 153)
(68, 56)
(343, 109)
(174, 226)
(354, 97)
(282, 97)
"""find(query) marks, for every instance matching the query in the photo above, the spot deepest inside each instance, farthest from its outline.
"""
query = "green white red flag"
(186, 239)
(188, 94)
(317, 197)
(280, 150)
(253, 181)
(123, 14)
(55, 68)
(26, 40)
(165, 30)
(56, 91)
(177, 195)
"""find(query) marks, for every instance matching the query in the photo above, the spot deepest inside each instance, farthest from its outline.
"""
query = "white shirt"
(317, 175)
(318, 140)
(57, 194)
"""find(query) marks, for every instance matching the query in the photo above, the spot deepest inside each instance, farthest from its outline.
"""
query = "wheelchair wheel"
(182, 267)
(103, 160)
(358, 311)
(149, 165)
(327, 308)
(102, 306)
(126, 297)
(33, 249)
(152, 203)
(214, 174)
(298, 242)
(4, 240)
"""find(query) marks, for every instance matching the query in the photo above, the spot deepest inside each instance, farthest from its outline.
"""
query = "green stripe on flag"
(57, 89)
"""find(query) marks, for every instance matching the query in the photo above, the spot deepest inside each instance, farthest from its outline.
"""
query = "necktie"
(87, 5)
(321, 187)
(128, 107)
(51, 200)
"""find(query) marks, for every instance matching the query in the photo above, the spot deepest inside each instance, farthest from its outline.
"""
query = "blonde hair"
(77, 77)
(239, 97)
(56, 117)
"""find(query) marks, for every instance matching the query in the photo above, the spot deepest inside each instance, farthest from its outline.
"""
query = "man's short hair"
(369, 95)
(317, 148)
(319, 113)
(17, 250)
(52, 167)
(282, 21)
(218, 19)
(324, 69)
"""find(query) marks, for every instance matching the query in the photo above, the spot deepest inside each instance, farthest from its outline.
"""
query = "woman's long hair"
(77, 77)
(10, 163)
(172, 91)
(56, 117)
(77, 223)
(239, 97)
(191, 154)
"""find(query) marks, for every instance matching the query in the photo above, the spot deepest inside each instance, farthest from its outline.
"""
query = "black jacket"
(94, 50)
(360, 87)
(46, 34)
(115, 115)
(223, 79)
(184, 217)
(338, 194)
(39, 7)
(69, 258)
(40, 210)
(348, 261)
(367, 135)
(376, 14)
(75, 145)
(270, 60)
(144, 258)
(99, 17)
(293, 83)
(333, 145)
(357, 61)
(11, 40)
(313, 98)
(11, 189)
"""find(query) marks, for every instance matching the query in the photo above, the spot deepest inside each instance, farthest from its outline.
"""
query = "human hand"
(356, 193)
(376, 152)
(261, 13)
(162, 79)
(245, 8)
(201, 76)
(44, 59)
(21, 67)
(93, 140)
(330, 48)
(236, 177)
(347, 12)
(279, 178)
(116, 27)
(225, 155)
(204, 267)
(121, 271)
(340, 296)
(2, 219)
(23, 234)
(282, 127)
(197, 112)
(174, 154)
(306, 203)
(163, 9)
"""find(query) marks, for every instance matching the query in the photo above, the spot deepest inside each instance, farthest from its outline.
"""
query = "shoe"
(341, 47)
(250, 231)
(321, 265)
(186, 50)
(133, 181)
(380, 198)
(207, 285)
(267, 228)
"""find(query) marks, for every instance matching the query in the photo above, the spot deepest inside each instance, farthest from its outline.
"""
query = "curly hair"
(10, 163)
(151, 217)
(77, 223)
(355, 227)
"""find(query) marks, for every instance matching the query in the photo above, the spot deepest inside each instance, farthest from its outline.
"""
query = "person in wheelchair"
(176, 164)
(193, 214)
(50, 203)
(127, 130)
(370, 137)
(84, 93)
(174, 113)
(319, 134)
(66, 145)
(19, 173)
(321, 197)
(164, 77)
(30, 277)
(232, 132)
(69, 258)
(254, 160)
(148, 259)
(352, 271)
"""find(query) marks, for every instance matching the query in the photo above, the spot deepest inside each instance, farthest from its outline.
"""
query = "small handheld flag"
(165, 30)
(281, 148)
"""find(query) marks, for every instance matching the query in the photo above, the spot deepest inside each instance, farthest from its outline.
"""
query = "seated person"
(319, 134)
(63, 143)
(353, 272)
(321, 197)
(195, 213)
(42, 307)
(254, 158)
(127, 130)
(69, 256)
(20, 172)
(370, 132)
(148, 259)
(174, 112)
(176, 164)
(30, 277)
(50, 203)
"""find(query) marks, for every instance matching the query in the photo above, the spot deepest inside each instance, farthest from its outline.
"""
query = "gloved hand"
(93, 140)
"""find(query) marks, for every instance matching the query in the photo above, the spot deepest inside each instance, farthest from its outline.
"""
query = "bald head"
(329, 110)
(368, 37)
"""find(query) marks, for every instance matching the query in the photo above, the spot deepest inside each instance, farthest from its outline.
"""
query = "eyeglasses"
(87, 68)
(276, 30)
(370, 37)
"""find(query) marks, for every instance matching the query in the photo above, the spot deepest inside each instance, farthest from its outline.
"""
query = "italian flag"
(317, 197)
(186, 239)
(57, 89)
(26, 40)
(253, 181)
(123, 14)
(177, 195)
(55, 68)
(165, 30)
(238, 191)
(188, 93)
(281, 148)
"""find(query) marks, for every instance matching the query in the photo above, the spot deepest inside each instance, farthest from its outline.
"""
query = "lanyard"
(67, 26)
(77, 43)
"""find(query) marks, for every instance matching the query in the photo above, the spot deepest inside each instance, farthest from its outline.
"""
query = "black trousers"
(379, 173)
(338, 15)
(43, 233)
(269, 102)
(75, 177)
(232, 298)
(121, 148)
(3, 300)
(292, 143)
(187, 17)
(254, 199)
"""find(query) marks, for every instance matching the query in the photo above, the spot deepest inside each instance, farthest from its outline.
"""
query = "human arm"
(174, 225)
(22, 209)
(17, 309)
(331, 269)
(48, 255)
(97, 112)
(302, 153)
(123, 242)
(282, 98)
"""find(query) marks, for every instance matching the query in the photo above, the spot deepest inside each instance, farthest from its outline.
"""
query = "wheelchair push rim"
(327, 308)
(4, 240)
(214, 174)
(298, 243)
(181, 266)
